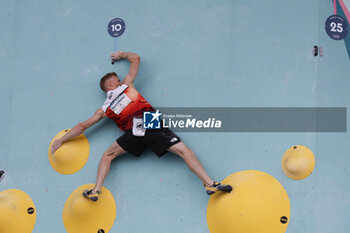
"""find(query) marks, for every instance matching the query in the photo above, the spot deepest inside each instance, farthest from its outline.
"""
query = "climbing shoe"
(92, 196)
(216, 186)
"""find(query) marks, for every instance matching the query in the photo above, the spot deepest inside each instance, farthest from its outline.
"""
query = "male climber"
(125, 106)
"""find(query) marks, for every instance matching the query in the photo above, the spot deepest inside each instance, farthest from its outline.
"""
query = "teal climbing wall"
(227, 53)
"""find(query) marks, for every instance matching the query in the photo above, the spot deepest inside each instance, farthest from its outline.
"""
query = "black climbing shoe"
(92, 196)
(216, 186)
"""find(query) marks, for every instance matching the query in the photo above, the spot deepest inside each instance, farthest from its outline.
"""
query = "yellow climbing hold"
(298, 162)
(71, 156)
(83, 215)
(258, 203)
(17, 212)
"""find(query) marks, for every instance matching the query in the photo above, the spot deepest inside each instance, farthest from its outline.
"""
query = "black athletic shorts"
(158, 140)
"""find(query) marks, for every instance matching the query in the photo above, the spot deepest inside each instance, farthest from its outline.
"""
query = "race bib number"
(120, 103)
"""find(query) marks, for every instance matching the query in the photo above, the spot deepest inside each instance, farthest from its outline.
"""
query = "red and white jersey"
(123, 104)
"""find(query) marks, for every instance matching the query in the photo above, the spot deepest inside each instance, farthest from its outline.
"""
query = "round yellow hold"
(298, 162)
(83, 215)
(17, 212)
(258, 203)
(71, 156)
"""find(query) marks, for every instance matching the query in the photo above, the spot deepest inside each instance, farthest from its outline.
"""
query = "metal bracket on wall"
(320, 51)
(317, 51)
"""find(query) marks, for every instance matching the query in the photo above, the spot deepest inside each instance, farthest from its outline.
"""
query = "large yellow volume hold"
(258, 203)
(82, 215)
(298, 162)
(71, 156)
(17, 212)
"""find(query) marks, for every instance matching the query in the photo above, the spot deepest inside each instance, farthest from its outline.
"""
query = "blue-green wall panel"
(193, 54)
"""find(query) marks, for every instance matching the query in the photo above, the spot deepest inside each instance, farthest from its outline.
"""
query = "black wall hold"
(2, 174)
(315, 50)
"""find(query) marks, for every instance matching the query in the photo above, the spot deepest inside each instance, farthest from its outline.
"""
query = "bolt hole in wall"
(284, 219)
(30, 210)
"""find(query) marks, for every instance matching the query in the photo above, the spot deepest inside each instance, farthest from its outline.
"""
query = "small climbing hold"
(298, 162)
(2, 174)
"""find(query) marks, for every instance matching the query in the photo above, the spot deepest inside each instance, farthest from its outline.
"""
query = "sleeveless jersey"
(123, 104)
